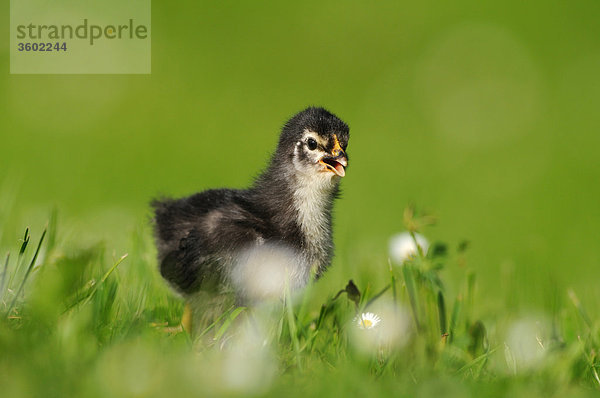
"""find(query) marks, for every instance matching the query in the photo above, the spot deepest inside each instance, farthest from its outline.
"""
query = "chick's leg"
(187, 319)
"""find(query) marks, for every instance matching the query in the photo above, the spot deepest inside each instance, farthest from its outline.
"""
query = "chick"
(220, 239)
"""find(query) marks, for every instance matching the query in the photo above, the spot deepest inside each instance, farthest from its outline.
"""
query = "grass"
(78, 322)
(485, 112)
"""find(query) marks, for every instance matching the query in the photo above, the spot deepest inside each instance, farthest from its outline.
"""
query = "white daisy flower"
(247, 362)
(402, 246)
(261, 273)
(390, 328)
(525, 344)
(367, 320)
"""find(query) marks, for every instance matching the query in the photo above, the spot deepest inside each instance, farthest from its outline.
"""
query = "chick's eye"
(312, 144)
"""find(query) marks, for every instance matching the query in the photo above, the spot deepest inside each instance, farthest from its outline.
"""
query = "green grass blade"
(393, 283)
(28, 272)
(478, 360)
(26, 238)
(96, 286)
(114, 267)
(470, 297)
(292, 325)
(228, 321)
(20, 257)
(582, 313)
(412, 294)
(4, 272)
(216, 321)
(442, 313)
(454, 318)
(51, 241)
(375, 297)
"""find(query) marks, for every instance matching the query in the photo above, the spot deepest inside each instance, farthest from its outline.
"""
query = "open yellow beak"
(338, 161)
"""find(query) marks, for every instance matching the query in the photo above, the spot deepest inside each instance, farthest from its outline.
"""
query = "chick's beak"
(337, 161)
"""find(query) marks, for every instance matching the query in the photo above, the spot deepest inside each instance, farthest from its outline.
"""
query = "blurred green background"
(483, 113)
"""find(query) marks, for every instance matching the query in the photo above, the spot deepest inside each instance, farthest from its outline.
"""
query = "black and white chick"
(219, 240)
